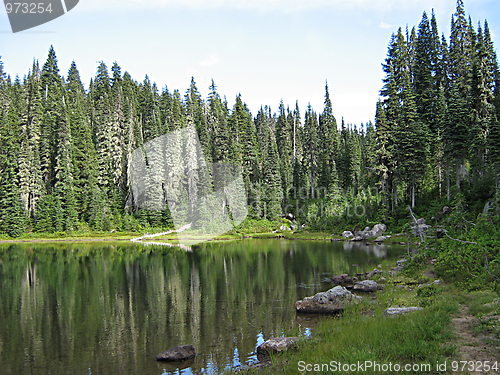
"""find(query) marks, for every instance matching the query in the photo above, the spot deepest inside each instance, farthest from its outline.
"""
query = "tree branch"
(454, 239)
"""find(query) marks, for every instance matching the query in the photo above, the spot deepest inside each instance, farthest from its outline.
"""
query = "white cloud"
(384, 25)
(212, 60)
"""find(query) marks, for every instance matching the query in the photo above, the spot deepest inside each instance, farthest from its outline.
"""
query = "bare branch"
(454, 239)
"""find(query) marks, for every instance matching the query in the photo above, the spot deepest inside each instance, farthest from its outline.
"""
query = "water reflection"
(94, 309)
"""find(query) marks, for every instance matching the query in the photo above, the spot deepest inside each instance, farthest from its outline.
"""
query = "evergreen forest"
(435, 143)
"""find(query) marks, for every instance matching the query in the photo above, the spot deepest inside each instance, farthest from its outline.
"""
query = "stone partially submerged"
(278, 345)
(343, 279)
(329, 302)
(179, 353)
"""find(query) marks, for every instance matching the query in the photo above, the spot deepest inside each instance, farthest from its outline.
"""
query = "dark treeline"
(65, 151)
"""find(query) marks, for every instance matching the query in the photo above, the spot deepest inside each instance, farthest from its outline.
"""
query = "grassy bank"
(363, 335)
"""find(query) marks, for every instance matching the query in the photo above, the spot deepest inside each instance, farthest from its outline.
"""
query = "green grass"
(309, 235)
(71, 236)
(362, 334)
(480, 303)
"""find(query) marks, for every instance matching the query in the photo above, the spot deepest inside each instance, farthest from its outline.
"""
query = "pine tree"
(52, 86)
(284, 142)
(483, 109)
(222, 144)
(195, 109)
(241, 119)
(148, 110)
(461, 56)
(299, 171)
(395, 68)
(195, 116)
(65, 201)
(370, 148)
(349, 163)
(30, 173)
(385, 161)
(425, 74)
(12, 217)
(456, 134)
(329, 137)
(106, 134)
(84, 156)
(271, 179)
(411, 140)
(312, 149)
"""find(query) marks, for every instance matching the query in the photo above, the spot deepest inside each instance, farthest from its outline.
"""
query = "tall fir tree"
(284, 142)
(272, 193)
(30, 173)
(84, 156)
(329, 137)
(312, 150)
(12, 215)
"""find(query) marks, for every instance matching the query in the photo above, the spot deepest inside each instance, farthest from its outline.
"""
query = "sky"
(265, 50)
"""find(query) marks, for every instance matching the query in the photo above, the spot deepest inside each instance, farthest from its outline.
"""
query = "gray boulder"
(329, 302)
(347, 234)
(278, 345)
(393, 311)
(366, 233)
(366, 286)
(179, 353)
(378, 229)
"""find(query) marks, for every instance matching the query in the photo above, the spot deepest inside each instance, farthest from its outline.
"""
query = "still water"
(87, 308)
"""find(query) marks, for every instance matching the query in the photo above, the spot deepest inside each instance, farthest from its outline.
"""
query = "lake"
(109, 308)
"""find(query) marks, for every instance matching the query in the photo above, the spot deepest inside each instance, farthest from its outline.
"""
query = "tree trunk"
(497, 189)
(458, 171)
(312, 185)
(395, 196)
(412, 194)
(448, 182)
(440, 179)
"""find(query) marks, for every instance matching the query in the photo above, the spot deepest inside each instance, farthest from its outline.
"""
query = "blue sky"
(267, 50)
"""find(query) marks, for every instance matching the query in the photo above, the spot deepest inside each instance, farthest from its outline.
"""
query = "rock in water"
(366, 286)
(278, 345)
(179, 353)
(329, 302)
(344, 279)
